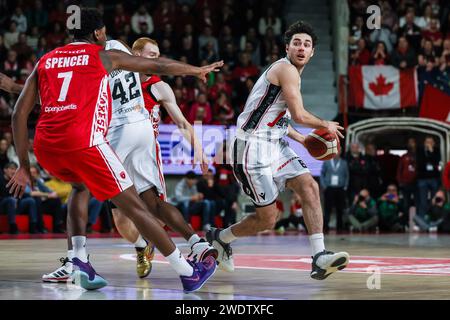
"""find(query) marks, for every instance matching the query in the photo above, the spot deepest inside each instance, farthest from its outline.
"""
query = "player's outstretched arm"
(7, 84)
(114, 59)
(289, 80)
(22, 109)
(169, 102)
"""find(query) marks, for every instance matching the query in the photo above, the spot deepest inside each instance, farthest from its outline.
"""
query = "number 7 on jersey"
(65, 86)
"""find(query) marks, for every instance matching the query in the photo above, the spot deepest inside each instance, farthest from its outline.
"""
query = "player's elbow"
(298, 118)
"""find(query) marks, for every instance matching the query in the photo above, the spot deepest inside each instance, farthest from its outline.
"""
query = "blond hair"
(140, 43)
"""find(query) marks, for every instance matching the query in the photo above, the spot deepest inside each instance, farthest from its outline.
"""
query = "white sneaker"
(202, 249)
(62, 274)
(326, 262)
(225, 253)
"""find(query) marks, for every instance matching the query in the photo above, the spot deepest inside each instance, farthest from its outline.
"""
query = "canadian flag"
(382, 87)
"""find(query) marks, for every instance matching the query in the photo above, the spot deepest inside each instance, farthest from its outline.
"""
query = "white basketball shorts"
(136, 146)
(262, 168)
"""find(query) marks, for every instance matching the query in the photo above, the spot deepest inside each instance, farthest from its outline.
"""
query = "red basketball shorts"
(97, 167)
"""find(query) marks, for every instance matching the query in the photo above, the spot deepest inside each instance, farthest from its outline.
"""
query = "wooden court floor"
(406, 266)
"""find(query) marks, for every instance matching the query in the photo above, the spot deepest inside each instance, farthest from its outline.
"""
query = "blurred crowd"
(376, 190)
(412, 34)
(246, 34)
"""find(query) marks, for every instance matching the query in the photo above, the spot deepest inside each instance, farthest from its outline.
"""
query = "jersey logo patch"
(123, 175)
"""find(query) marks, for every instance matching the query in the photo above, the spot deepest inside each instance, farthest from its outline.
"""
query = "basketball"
(322, 145)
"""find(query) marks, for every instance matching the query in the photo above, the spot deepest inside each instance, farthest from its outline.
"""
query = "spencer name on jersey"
(64, 62)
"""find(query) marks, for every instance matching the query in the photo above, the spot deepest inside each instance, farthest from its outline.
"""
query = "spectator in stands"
(22, 49)
(432, 33)
(19, 18)
(410, 30)
(357, 32)
(374, 180)
(427, 16)
(189, 201)
(385, 35)
(212, 194)
(33, 38)
(56, 37)
(12, 206)
(141, 21)
(295, 218)
(208, 53)
(58, 14)
(250, 20)
(184, 17)
(226, 182)
(403, 56)
(390, 18)
(200, 110)
(11, 37)
(390, 215)
(428, 175)
(121, 17)
(407, 176)
(205, 37)
(38, 16)
(379, 55)
(47, 201)
(410, 17)
(245, 69)
(229, 56)
(228, 18)
(427, 53)
(42, 47)
(4, 153)
(223, 111)
(357, 170)
(334, 178)
(206, 20)
(269, 20)
(61, 188)
(363, 213)
(438, 212)
(164, 14)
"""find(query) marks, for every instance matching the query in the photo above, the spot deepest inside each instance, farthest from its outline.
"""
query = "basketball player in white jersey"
(264, 164)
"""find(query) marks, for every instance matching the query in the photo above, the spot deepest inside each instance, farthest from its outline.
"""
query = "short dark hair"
(300, 27)
(10, 165)
(191, 175)
(90, 20)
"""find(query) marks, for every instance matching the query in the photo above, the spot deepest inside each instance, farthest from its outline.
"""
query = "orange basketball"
(322, 145)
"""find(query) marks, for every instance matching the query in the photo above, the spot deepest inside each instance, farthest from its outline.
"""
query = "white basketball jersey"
(266, 113)
(126, 92)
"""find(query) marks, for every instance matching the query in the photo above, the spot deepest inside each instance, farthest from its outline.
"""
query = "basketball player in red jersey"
(156, 92)
(265, 165)
(72, 83)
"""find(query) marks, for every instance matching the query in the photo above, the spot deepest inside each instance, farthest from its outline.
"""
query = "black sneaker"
(225, 253)
(13, 229)
(326, 262)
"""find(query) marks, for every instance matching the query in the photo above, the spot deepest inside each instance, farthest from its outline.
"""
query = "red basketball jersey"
(151, 102)
(75, 98)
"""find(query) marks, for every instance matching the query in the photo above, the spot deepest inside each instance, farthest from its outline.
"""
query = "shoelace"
(64, 260)
(141, 256)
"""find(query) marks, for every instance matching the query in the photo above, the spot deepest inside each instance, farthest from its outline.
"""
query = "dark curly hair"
(90, 20)
(300, 27)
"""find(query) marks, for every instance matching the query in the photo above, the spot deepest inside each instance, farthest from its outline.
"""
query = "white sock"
(227, 236)
(180, 264)
(193, 239)
(70, 255)
(317, 244)
(140, 242)
(79, 248)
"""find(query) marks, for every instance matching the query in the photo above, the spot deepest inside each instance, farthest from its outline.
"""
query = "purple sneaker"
(202, 272)
(85, 276)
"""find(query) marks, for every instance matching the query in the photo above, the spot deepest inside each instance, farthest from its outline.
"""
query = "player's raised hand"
(19, 182)
(200, 157)
(213, 67)
(335, 128)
